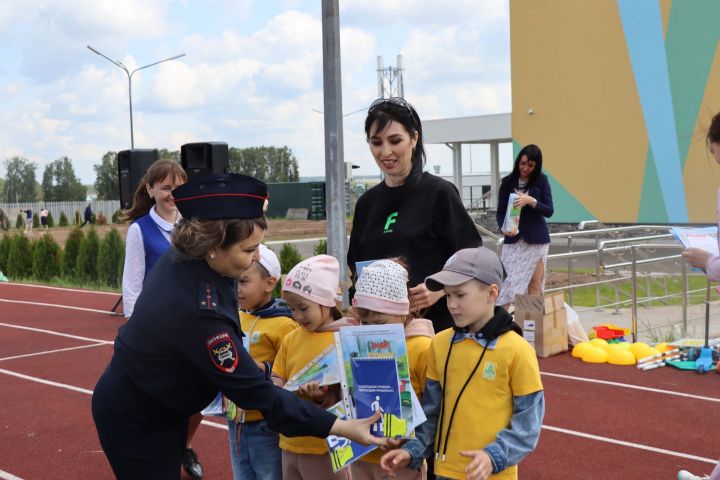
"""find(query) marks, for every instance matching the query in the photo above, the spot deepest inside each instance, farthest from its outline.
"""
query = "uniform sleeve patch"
(223, 352)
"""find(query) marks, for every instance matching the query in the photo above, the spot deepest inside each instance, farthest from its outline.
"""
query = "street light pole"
(129, 75)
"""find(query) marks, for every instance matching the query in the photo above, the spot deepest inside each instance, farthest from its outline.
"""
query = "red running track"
(633, 426)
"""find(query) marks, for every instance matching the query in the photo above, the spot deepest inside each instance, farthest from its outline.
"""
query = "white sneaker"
(685, 475)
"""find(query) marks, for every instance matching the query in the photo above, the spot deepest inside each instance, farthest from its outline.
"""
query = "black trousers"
(137, 443)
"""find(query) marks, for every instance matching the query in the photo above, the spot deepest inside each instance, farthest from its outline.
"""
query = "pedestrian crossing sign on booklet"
(374, 376)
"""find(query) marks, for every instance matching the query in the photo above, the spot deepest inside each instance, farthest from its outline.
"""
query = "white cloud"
(245, 83)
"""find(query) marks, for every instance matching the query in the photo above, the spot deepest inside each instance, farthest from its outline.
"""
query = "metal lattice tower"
(390, 79)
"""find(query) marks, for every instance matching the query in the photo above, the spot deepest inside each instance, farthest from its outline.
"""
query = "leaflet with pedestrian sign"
(375, 376)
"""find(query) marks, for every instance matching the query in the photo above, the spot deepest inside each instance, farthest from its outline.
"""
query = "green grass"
(66, 283)
(586, 296)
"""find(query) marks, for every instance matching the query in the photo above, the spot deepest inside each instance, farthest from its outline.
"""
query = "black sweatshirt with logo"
(423, 221)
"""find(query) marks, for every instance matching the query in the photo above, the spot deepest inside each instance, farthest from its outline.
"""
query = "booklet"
(512, 216)
(702, 238)
(344, 452)
(375, 376)
(323, 369)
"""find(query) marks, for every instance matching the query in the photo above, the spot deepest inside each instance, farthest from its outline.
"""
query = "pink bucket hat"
(382, 287)
(316, 279)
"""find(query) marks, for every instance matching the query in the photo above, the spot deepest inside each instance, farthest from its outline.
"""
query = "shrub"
(77, 217)
(46, 258)
(86, 266)
(4, 251)
(111, 258)
(63, 220)
(70, 254)
(289, 257)
(36, 220)
(20, 257)
(20, 222)
(320, 247)
(93, 219)
(101, 219)
(116, 216)
(51, 220)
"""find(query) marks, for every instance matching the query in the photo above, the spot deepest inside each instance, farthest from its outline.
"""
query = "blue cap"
(224, 196)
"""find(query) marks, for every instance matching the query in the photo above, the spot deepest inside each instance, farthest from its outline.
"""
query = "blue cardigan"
(533, 228)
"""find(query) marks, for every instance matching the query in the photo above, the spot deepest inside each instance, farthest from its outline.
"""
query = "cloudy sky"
(252, 75)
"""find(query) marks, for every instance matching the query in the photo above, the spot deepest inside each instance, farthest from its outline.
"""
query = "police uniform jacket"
(183, 344)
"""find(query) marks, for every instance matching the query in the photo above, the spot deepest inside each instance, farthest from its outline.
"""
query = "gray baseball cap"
(479, 263)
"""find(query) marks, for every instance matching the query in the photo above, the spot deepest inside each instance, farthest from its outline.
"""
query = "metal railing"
(642, 252)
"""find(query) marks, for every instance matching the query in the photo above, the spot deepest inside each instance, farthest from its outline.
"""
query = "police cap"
(224, 196)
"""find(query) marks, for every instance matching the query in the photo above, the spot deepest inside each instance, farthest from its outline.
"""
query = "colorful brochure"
(702, 238)
(344, 452)
(323, 369)
(512, 216)
(374, 375)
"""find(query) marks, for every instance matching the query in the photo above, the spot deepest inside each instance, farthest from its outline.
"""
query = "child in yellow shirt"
(483, 397)
(309, 289)
(254, 450)
(381, 297)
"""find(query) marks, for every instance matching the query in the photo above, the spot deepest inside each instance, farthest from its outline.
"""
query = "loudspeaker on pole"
(132, 165)
(204, 158)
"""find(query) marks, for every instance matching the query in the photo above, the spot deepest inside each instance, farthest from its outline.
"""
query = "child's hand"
(480, 467)
(314, 391)
(394, 443)
(394, 459)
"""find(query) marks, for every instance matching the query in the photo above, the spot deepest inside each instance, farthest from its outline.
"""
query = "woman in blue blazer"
(525, 250)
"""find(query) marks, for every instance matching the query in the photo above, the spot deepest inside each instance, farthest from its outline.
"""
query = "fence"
(612, 257)
(107, 207)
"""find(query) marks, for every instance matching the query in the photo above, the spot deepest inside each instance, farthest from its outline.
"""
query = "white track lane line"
(59, 334)
(84, 390)
(633, 387)
(8, 476)
(630, 444)
(54, 351)
(55, 305)
(61, 288)
(46, 382)
(220, 426)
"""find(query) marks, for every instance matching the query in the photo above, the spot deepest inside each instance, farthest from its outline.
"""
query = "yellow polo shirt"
(297, 349)
(486, 407)
(263, 337)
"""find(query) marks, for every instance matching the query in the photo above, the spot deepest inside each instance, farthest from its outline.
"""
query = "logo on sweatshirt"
(391, 219)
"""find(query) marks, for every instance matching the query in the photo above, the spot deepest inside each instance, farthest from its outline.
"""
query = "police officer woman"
(183, 341)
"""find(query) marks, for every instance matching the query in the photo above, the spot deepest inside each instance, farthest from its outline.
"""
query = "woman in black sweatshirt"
(411, 213)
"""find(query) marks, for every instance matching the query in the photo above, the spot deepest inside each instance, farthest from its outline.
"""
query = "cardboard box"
(543, 321)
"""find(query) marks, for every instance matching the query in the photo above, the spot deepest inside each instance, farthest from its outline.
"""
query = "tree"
(106, 178)
(87, 259)
(289, 257)
(70, 253)
(60, 184)
(5, 251)
(20, 180)
(20, 257)
(165, 154)
(46, 258)
(269, 164)
(111, 258)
